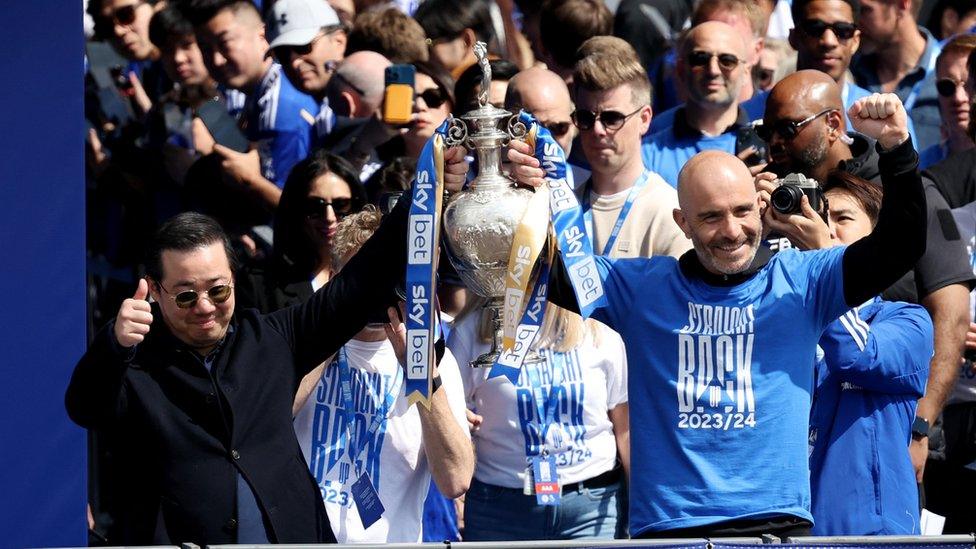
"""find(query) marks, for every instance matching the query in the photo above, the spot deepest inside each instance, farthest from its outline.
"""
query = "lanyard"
(621, 217)
(546, 408)
(379, 418)
(917, 88)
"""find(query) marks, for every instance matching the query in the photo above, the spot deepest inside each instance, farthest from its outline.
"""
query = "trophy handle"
(457, 133)
(516, 129)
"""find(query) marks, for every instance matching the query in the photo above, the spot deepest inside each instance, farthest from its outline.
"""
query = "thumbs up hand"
(134, 318)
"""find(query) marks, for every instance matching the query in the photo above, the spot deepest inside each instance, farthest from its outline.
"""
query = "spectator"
(452, 28)
(468, 86)
(563, 27)
(899, 56)
(433, 101)
(712, 68)
(277, 118)
(309, 41)
(952, 17)
(776, 61)
(509, 432)
(940, 279)
(356, 89)
(391, 33)
(126, 24)
(872, 371)
(544, 94)
(612, 113)
(409, 445)
(956, 176)
(950, 82)
(747, 18)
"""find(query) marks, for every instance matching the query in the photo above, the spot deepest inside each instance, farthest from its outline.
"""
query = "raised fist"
(134, 318)
(882, 117)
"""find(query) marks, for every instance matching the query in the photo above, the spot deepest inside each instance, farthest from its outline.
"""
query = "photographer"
(721, 349)
(872, 372)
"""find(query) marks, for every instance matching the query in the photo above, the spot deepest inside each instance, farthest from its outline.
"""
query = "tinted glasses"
(815, 28)
(557, 129)
(726, 61)
(947, 86)
(188, 298)
(126, 15)
(315, 207)
(787, 129)
(611, 120)
(433, 97)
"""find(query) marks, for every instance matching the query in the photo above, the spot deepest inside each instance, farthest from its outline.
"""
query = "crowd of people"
(780, 198)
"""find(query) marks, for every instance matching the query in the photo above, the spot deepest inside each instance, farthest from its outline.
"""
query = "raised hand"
(135, 316)
(882, 117)
(526, 168)
(455, 168)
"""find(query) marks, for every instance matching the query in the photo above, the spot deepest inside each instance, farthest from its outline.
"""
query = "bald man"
(721, 343)
(940, 280)
(356, 88)
(712, 67)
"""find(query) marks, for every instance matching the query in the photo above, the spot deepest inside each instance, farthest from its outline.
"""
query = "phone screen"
(222, 126)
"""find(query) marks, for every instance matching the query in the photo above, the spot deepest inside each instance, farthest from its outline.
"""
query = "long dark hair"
(295, 256)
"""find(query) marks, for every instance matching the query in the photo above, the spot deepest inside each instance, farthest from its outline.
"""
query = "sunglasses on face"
(558, 129)
(315, 207)
(188, 298)
(726, 61)
(815, 28)
(433, 97)
(947, 87)
(611, 120)
(787, 129)
(126, 15)
(284, 52)
(764, 77)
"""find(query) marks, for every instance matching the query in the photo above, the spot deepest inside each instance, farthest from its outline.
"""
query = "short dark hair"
(447, 18)
(440, 77)
(201, 11)
(565, 24)
(798, 7)
(168, 23)
(390, 32)
(294, 255)
(468, 85)
(864, 192)
(186, 232)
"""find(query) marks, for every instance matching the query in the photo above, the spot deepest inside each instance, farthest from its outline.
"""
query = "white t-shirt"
(594, 381)
(394, 459)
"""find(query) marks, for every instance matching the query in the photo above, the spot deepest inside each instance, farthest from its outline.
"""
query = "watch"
(920, 428)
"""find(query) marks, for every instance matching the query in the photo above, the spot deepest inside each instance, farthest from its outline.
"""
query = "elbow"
(455, 489)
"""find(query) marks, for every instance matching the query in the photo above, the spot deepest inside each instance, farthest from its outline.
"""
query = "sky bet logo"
(714, 382)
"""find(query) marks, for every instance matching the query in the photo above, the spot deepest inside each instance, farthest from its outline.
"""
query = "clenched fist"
(882, 117)
(134, 318)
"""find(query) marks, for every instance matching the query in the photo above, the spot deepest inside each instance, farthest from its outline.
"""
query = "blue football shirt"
(720, 380)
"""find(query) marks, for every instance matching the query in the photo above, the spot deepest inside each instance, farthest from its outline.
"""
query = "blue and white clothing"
(667, 151)
(719, 384)
(279, 119)
(874, 369)
(325, 120)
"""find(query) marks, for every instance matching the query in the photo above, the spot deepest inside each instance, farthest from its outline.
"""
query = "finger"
(806, 208)
(522, 159)
(765, 186)
(139, 317)
(222, 150)
(744, 154)
(457, 168)
(528, 172)
(854, 112)
(757, 169)
(520, 146)
(135, 328)
(872, 107)
(395, 323)
(455, 154)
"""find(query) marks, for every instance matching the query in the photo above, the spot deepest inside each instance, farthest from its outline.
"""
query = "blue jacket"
(874, 369)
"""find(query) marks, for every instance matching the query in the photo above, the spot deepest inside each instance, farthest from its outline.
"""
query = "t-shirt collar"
(693, 269)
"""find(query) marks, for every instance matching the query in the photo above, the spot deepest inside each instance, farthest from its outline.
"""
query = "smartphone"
(746, 137)
(398, 97)
(222, 126)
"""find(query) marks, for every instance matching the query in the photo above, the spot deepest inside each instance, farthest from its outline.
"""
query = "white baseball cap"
(298, 22)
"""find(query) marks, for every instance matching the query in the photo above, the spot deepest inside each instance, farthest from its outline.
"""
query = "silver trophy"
(480, 221)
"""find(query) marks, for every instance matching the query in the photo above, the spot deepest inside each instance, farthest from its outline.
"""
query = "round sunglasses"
(433, 97)
(611, 120)
(947, 86)
(726, 61)
(188, 298)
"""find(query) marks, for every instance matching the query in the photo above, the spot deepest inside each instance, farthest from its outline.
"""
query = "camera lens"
(786, 199)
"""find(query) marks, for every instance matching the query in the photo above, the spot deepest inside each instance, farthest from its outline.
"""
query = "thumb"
(221, 150)
(806, 208)
(142, 291)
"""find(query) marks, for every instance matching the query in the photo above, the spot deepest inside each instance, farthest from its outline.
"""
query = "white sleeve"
(451, 382)
(612, 347)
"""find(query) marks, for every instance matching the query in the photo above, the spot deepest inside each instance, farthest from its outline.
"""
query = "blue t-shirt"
(720, 380)
(665, 153)
(280, 119)
(875, 365)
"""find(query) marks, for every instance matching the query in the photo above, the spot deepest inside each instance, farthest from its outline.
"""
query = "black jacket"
(195, 430)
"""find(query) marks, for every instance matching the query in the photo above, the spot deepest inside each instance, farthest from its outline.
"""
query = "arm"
(620, 417)
(889, 355)
(245, 169)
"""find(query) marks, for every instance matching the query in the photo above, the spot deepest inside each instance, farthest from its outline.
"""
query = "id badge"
(367, 501)
(527, 483)
(546, 480)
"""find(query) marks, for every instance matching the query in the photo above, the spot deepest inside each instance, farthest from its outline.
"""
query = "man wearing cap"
(277, 118)
(308, 41)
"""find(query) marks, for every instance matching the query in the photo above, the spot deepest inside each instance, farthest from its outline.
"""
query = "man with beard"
(722, 451)
(807, 134)
(950, 82)
(712, 67)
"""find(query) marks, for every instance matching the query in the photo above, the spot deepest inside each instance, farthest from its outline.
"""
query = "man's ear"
(341, 40)
(469, 38)
(679, 218)
(352, 104)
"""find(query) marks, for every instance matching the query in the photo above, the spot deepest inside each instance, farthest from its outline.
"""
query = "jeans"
(494, 513)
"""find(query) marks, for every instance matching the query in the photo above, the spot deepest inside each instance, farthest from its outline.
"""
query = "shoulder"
(660, 191)
(793, 259)
(755, 106)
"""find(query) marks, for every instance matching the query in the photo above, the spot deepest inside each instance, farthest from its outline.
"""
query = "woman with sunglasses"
(955, 101)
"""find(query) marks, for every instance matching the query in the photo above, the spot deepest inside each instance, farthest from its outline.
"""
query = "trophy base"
(492, 317)
(487, 360)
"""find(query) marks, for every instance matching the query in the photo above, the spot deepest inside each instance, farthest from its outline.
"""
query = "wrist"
(920, 428)
(890, 142)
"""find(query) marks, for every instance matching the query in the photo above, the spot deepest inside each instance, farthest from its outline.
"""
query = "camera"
(786, 198)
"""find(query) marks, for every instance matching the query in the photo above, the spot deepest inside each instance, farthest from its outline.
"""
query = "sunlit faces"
(329, 199)
(233, 47)
(826, 38)
(431, 105)
(808, 148)
(129, 21)
(848, 220)
(311, 67)
(611, 150)
(713, 65)
(951, 76)
(183, 61)
(204, 324)
(721, 217)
